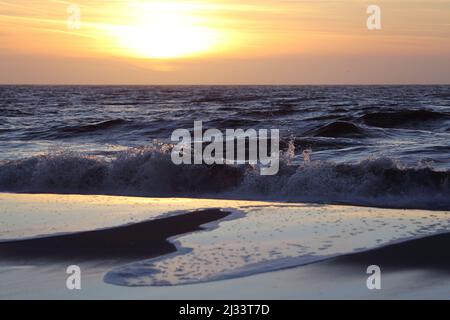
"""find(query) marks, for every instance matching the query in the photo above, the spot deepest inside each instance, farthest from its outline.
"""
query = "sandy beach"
(154, 248)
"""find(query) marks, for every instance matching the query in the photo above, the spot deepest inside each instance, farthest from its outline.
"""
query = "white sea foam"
(150, 172)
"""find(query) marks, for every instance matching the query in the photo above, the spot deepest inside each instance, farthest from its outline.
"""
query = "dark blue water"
(374, 145)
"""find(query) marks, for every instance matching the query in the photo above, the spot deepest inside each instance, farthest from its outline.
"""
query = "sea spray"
(150, 172)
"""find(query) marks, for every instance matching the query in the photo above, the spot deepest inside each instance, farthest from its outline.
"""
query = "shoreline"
(142, 240)
(151, 249)
(343, 277)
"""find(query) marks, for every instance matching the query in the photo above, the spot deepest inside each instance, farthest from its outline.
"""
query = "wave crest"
(150, 172)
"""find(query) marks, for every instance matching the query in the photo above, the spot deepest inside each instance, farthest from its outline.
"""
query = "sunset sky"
(223, 42)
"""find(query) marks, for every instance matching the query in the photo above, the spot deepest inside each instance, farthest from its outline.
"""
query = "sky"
(224, 42)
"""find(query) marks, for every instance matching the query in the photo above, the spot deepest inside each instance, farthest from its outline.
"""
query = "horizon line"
(223, 85)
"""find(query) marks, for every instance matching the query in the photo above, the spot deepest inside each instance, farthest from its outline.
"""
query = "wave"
(149, 171)
(63, 132)
(402, 118)
(10, 112)
(318, 143)
(221, 97)
(104, 125)
(277, 110)
(230, 123)
(339, 129)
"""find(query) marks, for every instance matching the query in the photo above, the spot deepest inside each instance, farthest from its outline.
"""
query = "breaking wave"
(149, 171)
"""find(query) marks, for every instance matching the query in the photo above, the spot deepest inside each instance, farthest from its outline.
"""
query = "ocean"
(381, 146)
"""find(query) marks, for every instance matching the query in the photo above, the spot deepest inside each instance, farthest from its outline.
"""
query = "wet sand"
(428, 253)
(135, 241)
(339, 278)
(268, 250)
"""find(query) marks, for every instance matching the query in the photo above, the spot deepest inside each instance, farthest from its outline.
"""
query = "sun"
(165, 30)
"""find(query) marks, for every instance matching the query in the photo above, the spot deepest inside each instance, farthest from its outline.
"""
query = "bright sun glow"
(164, 30)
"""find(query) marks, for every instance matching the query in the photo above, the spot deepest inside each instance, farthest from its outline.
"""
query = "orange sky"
(224, 42)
